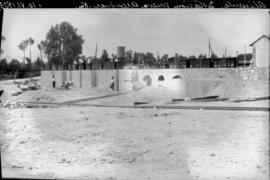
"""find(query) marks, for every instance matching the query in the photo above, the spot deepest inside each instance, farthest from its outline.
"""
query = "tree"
(2, 39)
(202, 56)
(192, 57)
(14, 65)
(38, 64)
(3, 66)
(182, 57)
(128, 56)
(135, 58)
(213, 55)
(29, 42)
(172, 59)
(165, 58)
(150, 59)
(22, 46)
(104, 56)
(41, 47)
(62, 41)
(142, 58)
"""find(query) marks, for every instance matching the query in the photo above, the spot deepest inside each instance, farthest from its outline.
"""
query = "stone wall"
(101, 78)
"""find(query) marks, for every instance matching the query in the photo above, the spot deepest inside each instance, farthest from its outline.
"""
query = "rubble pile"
(13, 105)
(28, 85)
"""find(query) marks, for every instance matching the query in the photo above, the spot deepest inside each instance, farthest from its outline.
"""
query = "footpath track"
(226, 108)
(94, 98)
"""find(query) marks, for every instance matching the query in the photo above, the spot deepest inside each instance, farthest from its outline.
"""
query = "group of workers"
(67, 84)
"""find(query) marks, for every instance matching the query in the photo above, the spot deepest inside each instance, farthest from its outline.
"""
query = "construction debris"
(28, 85)
(23, 87)
(13, 105)
(33, 86)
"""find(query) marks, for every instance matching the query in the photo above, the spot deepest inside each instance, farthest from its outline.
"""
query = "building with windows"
(260, 51)
(245, 60)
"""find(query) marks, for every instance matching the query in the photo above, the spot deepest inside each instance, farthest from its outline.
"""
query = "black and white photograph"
(135, 94)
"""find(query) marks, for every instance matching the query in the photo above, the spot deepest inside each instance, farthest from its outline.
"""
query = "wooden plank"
(178, 100)
(253, 99)
(209, 100)
(94, 98)
(205, 97)
(225, 108)
(141, 102)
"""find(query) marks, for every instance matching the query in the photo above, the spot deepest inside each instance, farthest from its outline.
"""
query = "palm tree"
(22, 46)
(30, 41)
(41, 47)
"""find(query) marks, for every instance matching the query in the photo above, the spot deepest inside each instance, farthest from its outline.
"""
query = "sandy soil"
(113, 143)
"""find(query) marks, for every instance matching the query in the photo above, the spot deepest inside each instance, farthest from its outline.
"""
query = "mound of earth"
(36, 96)
(11, 91)
(235, 89)
(200, 88)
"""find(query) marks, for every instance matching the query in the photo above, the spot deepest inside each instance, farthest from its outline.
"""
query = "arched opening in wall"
(148, 80)
(177, 77)
(160, 78)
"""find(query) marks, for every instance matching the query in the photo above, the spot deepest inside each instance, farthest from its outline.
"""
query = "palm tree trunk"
(40, 66)
(23, 57)
(30, 65)
(40, 55)
(30, 53)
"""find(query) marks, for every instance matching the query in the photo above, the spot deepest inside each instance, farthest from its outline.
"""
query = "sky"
(163, 31)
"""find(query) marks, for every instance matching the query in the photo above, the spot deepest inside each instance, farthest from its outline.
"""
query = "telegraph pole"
(63, 59)
(209, 49)
(245, 57)
(96, 52)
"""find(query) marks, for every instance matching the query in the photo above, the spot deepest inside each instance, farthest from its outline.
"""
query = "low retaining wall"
(172, 78)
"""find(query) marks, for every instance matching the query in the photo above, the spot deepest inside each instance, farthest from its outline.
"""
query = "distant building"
(260, 51)
(120, 51)
(245, 59)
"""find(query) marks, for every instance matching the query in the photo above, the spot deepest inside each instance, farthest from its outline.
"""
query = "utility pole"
(225, 55)
(245, 57)
(63, 59)
(96, 52)
(209, 49)
(62, 52)
(237, 58)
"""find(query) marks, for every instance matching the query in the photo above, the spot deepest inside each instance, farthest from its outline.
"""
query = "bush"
(34, 74)
(4, 77)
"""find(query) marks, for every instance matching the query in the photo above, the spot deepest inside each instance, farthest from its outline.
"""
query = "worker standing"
(112, 84)
(53, 81)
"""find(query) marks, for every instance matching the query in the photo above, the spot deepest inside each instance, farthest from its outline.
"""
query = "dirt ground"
(119, 143)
